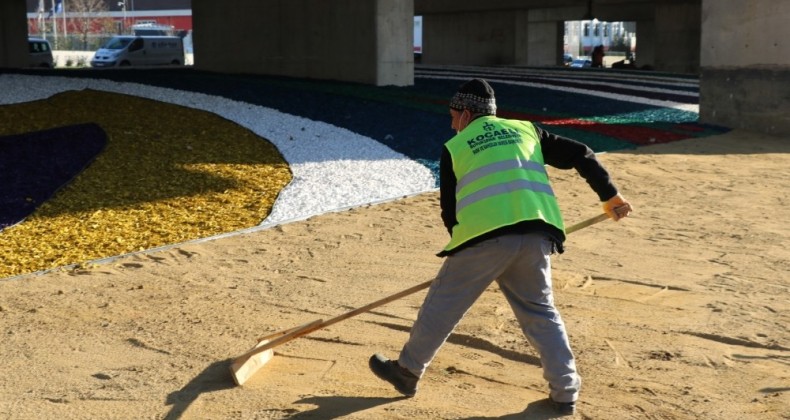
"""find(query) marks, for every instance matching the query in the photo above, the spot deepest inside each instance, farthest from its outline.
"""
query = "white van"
(153, 29)
(40, 53)
(132, 50)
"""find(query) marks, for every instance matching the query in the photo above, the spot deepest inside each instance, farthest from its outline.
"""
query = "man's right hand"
(617, 207)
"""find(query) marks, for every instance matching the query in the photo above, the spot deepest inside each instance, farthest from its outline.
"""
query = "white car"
(581, 62)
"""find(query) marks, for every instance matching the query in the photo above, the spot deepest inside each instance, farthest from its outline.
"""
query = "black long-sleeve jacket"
(559, 152)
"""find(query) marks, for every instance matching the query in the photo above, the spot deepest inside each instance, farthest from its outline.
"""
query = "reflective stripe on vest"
(479, 173)
(501, 178)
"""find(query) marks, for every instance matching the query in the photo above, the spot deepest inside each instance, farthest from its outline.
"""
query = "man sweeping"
(504, 223)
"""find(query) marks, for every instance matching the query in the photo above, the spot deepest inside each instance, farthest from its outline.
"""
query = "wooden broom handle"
(292, 333)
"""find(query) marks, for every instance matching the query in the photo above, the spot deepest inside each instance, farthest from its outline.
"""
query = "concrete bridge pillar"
(13, 34)
(646, 43)
(469, 38)
(677, 49)
(745, 65)
(366, 41)
(545, 31)
(493, 37)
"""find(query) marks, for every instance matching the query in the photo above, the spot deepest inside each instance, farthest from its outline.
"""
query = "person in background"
(504, 223)
(597, 56)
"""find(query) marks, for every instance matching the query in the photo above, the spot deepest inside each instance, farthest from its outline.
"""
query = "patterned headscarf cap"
(475, 95)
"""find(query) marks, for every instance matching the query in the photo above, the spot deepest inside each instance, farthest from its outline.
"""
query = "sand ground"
(678, 312)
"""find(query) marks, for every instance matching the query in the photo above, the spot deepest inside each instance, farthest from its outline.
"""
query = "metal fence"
(76, 42)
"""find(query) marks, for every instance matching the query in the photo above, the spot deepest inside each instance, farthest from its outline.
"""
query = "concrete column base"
(748, 98)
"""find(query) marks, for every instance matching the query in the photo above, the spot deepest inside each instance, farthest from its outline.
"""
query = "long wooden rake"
(246, 365)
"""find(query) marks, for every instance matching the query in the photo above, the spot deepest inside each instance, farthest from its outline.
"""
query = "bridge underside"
(738, 48)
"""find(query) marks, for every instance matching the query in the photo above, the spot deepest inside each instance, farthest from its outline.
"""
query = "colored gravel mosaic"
(170, 174)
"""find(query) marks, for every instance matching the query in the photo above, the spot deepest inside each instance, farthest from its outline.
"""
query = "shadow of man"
(333, 407)
(536, 410)
(215, 377)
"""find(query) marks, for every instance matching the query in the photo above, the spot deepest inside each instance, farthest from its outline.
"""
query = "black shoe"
(389, 370)
(563, 408)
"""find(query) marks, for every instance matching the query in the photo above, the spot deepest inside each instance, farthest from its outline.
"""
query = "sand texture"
(678, 312)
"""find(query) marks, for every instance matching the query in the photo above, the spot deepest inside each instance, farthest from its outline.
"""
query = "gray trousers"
(521, 265)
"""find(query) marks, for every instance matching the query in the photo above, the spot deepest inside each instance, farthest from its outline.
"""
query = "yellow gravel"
(168, 174)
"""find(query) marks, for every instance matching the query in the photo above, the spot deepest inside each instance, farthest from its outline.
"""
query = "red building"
(76, 26)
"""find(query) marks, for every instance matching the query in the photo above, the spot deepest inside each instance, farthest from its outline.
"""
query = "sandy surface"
(679, 312)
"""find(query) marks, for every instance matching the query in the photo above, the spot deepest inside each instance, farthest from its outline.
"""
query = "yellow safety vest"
(501, 177)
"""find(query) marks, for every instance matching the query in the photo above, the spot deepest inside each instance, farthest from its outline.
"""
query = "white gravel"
(333, 168)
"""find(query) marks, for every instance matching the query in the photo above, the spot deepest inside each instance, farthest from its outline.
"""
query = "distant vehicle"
(40, 53)
(567, 59)
(153, 29)
(581, 62)
(128, 50)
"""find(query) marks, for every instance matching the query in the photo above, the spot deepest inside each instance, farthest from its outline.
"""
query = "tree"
(620, 44)
(90, 18)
